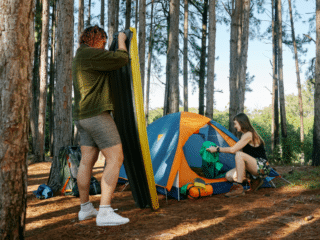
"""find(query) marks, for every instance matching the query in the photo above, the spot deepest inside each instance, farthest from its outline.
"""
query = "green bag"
(211, 165)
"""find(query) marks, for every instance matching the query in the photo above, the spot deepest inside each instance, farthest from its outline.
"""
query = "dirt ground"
(266, 214)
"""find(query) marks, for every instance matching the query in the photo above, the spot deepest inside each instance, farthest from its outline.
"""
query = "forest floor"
(269, 213)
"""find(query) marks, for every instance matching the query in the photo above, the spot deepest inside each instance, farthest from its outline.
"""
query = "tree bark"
(211, 59)
(88, 23)
(286, 153)
(167, 86)
(128, 14)
(275, 106)
(234, 81)
(63, 88)
(185, 56)
(80, 30)
(39, 155)
(202, 70)
(34, 114)
(117, 2)
(142, 40)
(137, 19)
(173, 47)
(80, 19)
(244, 52)
(16, 54)
(316, 129)
(102, 14)
(52, 74)
(298, 77)
(149, 62)
(112, 25)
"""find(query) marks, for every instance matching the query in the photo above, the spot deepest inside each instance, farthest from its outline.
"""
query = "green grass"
(308, 179)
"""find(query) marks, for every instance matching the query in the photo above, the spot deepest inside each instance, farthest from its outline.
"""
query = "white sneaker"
(108, 217)
(83, 215)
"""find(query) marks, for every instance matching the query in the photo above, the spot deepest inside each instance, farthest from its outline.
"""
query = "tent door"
(176, 184)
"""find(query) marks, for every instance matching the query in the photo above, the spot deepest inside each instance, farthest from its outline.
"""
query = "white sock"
(104, 208)
(86, 207)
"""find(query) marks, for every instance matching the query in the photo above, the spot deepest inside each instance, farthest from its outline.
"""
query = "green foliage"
(309, 179)
(221, 118)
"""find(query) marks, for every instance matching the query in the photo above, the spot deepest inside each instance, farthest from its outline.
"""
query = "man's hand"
(122, 37)
(121, 41)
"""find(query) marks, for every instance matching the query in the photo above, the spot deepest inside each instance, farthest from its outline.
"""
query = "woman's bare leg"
(231, 175)
(89, 156)
(245, 162)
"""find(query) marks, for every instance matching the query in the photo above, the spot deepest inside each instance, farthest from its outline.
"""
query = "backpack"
(69, 158)
(94, 189)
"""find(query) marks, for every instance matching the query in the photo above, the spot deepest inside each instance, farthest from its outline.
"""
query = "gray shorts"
(99, 131)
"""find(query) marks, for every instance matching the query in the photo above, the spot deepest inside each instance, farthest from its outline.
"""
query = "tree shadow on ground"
(265, 222)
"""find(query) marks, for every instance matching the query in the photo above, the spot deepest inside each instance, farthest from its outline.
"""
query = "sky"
(259, 57)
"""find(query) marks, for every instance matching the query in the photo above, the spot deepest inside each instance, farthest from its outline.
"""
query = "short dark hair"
(90, 34)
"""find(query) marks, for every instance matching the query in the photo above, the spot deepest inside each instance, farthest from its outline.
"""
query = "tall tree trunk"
(286, 153)
(275, 100)
(235, 37)
(167, 86)
(185, 56)
(63, 88)
(34, 114)
(39, 155)
(142, 40)
(80, 19)
(211, 58)
(112, 25)
(203, 57)
(117, 2)
(102, 14)
(88, 23)
(173, 47)
(16, 54)
(52, 74)
(80, 30)
(298, 79)
(149, 62)
(244, 52)
(128, 14)
(316, 129)
(137, 19)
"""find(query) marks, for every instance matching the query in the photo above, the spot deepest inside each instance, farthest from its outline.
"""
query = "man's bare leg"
(89, 156)
(114, 159)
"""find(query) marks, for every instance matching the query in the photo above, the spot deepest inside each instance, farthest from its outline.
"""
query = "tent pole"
(272, 184)
(166, 196)
(285, 180)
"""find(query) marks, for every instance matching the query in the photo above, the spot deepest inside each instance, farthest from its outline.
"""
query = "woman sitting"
(252, 158)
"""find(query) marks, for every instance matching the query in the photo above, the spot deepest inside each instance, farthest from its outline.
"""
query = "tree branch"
(226, 9)
(306, 35)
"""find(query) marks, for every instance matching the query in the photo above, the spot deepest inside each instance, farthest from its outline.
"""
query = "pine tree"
(316, 129)
(39, 155)
(63, 87)
(211, 58)
(16, 54)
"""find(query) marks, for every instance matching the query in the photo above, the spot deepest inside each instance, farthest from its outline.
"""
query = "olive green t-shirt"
(91, 69)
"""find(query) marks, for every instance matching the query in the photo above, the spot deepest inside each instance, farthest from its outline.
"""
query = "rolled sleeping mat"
(198, 192)
(126, 89)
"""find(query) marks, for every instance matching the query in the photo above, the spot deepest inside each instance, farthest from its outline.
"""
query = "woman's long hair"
(246, 126)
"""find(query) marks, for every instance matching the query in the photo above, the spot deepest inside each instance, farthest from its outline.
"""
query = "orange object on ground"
(196, 192)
